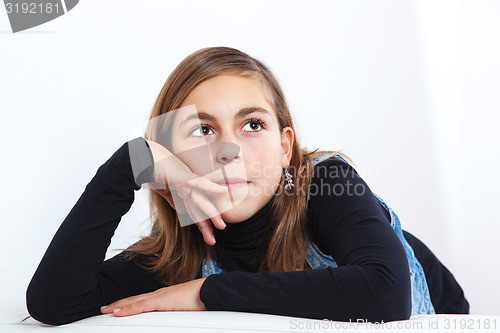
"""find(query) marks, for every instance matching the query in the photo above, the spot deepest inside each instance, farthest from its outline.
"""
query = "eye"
(254, 125)
(204, 131)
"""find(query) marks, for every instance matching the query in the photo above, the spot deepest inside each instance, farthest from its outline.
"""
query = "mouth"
(233, 183)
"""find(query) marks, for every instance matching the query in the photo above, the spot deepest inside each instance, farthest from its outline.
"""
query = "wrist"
(159, 152)
(141, 161)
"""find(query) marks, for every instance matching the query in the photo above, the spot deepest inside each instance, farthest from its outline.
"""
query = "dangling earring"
(288, 179)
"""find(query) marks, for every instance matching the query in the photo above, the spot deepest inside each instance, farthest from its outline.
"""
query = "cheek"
(265, 165)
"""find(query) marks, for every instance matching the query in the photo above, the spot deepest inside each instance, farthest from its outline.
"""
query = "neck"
(238, 243)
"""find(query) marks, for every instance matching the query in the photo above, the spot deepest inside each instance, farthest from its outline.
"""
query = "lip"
(232, 181)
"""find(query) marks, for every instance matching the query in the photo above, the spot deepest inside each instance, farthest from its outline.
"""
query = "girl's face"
(235, 109)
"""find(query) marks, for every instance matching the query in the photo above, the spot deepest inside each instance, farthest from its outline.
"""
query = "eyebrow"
(210, 117)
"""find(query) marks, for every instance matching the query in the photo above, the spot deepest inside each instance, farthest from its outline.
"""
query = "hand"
(189, 191)
(180, 297)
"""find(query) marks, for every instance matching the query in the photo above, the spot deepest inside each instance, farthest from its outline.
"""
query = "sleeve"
(372, 282)
(72, 280)
(447, 295)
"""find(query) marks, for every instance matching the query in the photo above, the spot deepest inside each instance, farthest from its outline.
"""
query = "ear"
(287, 138)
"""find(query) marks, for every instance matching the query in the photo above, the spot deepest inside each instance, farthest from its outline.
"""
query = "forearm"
(342, 294)
(67, 273)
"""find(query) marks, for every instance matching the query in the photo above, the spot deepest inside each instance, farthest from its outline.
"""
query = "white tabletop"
(221, 321)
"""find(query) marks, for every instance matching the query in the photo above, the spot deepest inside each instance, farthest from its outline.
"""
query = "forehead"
(228, 93)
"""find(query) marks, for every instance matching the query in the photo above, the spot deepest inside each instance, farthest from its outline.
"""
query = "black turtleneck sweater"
(371, 283)
(240, 246)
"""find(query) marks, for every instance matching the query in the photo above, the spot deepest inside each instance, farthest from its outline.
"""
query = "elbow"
(387, 295)
(396, 306)
(46, 316)
(392, 306)
(40, 310)
(395, 301)
(47, 310)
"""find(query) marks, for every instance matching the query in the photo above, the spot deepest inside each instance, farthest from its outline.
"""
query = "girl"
(297, 232)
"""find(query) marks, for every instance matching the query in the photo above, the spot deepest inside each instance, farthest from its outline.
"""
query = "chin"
(238, 213)
(236, 216)
(233, 208)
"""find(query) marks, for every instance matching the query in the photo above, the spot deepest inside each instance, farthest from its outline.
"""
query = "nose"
(226, 152)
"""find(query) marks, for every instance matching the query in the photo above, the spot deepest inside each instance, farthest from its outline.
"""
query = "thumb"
(173, 200)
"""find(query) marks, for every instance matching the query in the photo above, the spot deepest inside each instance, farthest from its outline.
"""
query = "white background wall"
(408, 89)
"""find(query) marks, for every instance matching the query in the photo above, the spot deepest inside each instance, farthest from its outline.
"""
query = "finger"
(196, 214)
(144, 305)
(207, 231)
(122, 302)
(205, 225)
(180, 207)
(174, 200)
(204, 204)
(183, 191)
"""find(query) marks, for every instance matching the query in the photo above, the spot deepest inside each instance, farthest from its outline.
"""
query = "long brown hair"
(175, 253)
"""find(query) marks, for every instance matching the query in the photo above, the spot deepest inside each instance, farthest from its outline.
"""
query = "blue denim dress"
(421, 300)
